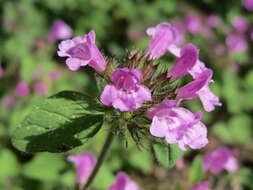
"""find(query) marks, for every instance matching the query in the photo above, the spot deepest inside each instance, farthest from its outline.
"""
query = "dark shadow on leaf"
(66, 137)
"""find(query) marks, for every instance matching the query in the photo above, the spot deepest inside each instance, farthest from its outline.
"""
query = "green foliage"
(59, 123)
(141, 160)
(44, 167)
(237, 131)
(167, 155)
(196, 172)
(9, 165)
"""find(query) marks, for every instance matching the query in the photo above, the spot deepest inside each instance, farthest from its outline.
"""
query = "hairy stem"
(101, 159)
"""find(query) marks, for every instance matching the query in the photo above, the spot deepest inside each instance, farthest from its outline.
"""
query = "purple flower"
(240, 23)
(163, 35)
(125, 92)
(191, 90)
(188, 57)
(248, 4)
(59, 31)
(220, 159)
(236, 43)
(22, 89)
(213, 21)
(84, 163)
(82, 51)
(177, 125)
(208, 99)
(193, 23)
(204, 185)
(123, 183)
(199, 87)
(41, 88)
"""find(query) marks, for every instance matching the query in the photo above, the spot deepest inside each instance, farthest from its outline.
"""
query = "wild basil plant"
(137, 98)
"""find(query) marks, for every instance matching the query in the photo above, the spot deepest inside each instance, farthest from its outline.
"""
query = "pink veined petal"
(158, 128)
(108, 95)
(144, 93)
(151, 31)
(123, 105)
(189, 56)
(164, 105)
(208, 99)
(163, 36)
(73, 64)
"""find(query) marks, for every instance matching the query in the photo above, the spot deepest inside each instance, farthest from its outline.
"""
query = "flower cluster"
(136, 87)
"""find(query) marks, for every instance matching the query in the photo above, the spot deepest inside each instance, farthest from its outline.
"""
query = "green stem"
(101, 159)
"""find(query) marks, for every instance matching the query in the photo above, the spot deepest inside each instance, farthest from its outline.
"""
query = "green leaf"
(59, 123)
(241, 129)
(167, 155)
(105, 177)
(141, 160)
(196, 172)
(44, 167)
(9, 165)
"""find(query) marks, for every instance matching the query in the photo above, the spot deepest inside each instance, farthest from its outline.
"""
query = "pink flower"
(41, 88)
(82, 51)
(213, 21)
(22, 89)
(220, 159)
(177, 125)
(163, 35)
(240, 23)
(125, 92)
(188, 57)
(193, 23)
(59, 31)
(236, 43)
(84, 163)
(208, 99)
(248, 4)
(123, 183)
(204, 185)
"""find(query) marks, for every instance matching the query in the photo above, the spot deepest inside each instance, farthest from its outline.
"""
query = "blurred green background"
(26, 55)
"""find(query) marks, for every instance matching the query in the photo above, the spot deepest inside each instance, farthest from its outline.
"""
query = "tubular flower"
(82, 51)
(177, 125)
(123, 183)
(219, 159)
(199, 71)
(163, 35)
(188, 58)
(125, 92)
(84, 163)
